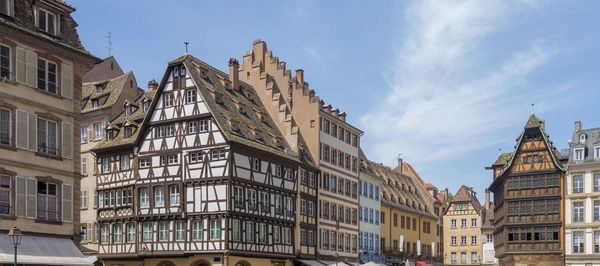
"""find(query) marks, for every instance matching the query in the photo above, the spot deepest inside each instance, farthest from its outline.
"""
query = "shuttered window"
(47, 136)
(47, 201)
(26, 197)
(46, 79)
(67, 140)
(5, 126)
(5, 189)
(67, 203)
(26, 67)
(5, 65)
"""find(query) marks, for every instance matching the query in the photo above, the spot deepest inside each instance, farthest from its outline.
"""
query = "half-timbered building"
(202, 177)
(527, 189)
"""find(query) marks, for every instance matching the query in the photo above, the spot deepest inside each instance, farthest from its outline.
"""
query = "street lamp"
(14, 236)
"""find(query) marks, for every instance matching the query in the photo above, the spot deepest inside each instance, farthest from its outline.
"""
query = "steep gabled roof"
(112, 90)
(467, 195)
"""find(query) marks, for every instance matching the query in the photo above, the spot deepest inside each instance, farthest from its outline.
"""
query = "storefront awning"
(43, 250)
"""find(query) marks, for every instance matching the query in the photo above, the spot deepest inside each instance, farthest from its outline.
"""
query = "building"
(298, 112)
(437, 201)
(41, 65)
(527, 200)
(462, 229)
(368, 215)
(488, 253)
(201, 177)
(582, 198)
(106, 92)
(407, 224)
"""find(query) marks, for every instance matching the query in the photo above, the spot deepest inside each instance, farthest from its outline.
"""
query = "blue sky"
(446, 84)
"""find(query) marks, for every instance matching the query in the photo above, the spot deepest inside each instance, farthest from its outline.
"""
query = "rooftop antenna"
(186, 46)
(533, 108)
(109, 43)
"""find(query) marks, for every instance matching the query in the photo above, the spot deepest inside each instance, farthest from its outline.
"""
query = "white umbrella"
(370, 263)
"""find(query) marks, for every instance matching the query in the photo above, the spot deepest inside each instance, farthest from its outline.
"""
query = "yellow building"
(408, 225)
(462, 229)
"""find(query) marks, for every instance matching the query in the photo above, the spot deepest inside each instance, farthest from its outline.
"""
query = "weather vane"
(186, 46)
(109, 43)
(533, 108)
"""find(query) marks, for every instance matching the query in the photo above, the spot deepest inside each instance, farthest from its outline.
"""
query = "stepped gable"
(466, 194)
(255, 127)
(135, 119)
(397, 190)
(109, 95)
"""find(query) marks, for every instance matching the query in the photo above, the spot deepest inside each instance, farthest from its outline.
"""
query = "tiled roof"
(487, 217)
(502, 159)
(396, 188)
(136, 118)
(466, 194)
(592, 140)
(109, 95)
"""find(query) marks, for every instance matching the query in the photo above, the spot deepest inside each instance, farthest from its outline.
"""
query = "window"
(190, 96)
(596, 210)
(172, 159)
(170, 130)
(192, 127)
(264, 202)
(47, 201)
(173, 195)
(159, 196)
(473, 240)
(203, 125)
(461, 207)
(262, 233)
(453, 241)
(159, 132)
(289, 206)
(577, 211)
(578, 242)
(98, 131)
(578, 184)
(124, 162)
(238, 197)
(5, 57)
(84, 199)
(47, 136)
(579, 154)
(197, 230)
(473, 257)
(256, 164)
(127, 110)
(252, 203)
(104, 234)
(596, 182)
(453, 258)
(180, 230)
(237, 230)
(168, 101)
(145, 106)
(5, 127)
(215, 229)
(83, 166)
(463, 223)
(47, 21)
(163, 231)
(145, 162)
(453, 223)
(147, 231)
(249, 232)
(130, 233)
(118, 233)
(325, 126)
(463, 240)
(596, 241)
(463, 258)
(5, 191)
(47, 76)
(473, 222)
(354, 140)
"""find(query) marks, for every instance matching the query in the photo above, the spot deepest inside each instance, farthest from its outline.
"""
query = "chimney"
(152, 85)
(234, 72)
(487, 198)
(577, 126)
(543, 124)
(401, 165)
(300, 76)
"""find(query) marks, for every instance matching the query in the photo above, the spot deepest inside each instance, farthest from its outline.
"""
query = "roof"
(590, 143)
(112, 89)
(136, 119)
(397, 190)
(467, 195)
(487, 217)
(429, 186)
(44, 250)
(106, 69)
(502, 159)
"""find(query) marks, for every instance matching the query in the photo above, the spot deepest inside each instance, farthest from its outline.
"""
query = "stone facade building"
(462, 229)
(488, 253)
(369, 215)
(582, 198)
(41, 66)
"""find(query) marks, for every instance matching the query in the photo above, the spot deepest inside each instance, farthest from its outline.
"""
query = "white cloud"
(314, 54)
(450, 90)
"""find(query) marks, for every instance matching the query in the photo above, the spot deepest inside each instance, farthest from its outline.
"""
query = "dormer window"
(257, 136)
(582, 138)
(109, 135)
(242, 111)
(578, 154)
(202, 74)
(235, 128)
(99, 88)
(128, 132)
(219, 101)
(46, 21)
(183, 71)
(95, 104)
(127, 110)
(597, 152)
(145, 106)
(176, 72)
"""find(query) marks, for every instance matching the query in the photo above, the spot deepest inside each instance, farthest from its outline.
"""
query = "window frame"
(47, 72)
(10, 61)
(55, 22)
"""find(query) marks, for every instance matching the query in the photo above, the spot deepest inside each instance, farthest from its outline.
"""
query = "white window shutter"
(31, 62)
(22, 130)
(21, 65)
(67, 140)
(21, 196)
(32, 132)
(67, 203)
(31, 198)
(66, 81)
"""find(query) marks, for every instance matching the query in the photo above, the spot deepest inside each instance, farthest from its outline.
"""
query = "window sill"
(49, 156)
(7, 217)
(56, 37)
(48, 222)
(8, 147)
